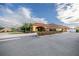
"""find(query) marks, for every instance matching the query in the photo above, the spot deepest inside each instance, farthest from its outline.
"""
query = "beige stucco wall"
(34, 28)
(58, 29)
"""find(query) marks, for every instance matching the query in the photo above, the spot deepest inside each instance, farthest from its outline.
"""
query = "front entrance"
(40, 28)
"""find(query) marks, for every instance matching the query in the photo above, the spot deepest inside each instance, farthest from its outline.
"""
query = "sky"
(14, 15)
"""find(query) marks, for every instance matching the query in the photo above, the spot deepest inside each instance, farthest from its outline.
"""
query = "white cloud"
(68, 13)
(7, 22)
(25, 12)
(41, 20)
(16, 18)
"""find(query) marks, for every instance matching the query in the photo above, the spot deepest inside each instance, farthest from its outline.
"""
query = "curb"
(18, 35)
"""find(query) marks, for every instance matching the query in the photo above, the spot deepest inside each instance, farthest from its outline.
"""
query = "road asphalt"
(61, 44)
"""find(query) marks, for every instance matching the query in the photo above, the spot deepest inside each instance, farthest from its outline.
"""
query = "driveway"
(61, 44)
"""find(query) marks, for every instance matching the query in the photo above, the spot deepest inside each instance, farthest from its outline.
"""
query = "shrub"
(77, 30)
(47, 32)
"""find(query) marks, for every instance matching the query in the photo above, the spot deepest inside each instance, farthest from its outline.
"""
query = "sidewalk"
(7, 35)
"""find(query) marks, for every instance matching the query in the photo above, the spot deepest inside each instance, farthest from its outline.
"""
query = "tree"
(26, 27)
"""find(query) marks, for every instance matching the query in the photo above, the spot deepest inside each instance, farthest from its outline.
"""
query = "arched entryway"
(40, 28)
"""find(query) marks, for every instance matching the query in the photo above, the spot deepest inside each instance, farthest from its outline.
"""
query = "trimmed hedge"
(77, 30)
(47, 33)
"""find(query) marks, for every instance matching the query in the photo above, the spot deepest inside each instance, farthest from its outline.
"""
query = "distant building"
(49, 27)
(63, 28)
(6, 30)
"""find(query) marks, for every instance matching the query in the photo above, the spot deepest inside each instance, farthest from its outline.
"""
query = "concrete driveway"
(61, 44)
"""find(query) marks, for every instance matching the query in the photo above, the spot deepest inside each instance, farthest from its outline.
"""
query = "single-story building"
(63, 28)
(48, 27)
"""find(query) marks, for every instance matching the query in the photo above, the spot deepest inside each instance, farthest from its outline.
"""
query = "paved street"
(64, 44)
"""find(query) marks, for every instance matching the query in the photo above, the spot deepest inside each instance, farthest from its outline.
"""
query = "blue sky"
(19, 13)
(47, 11)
